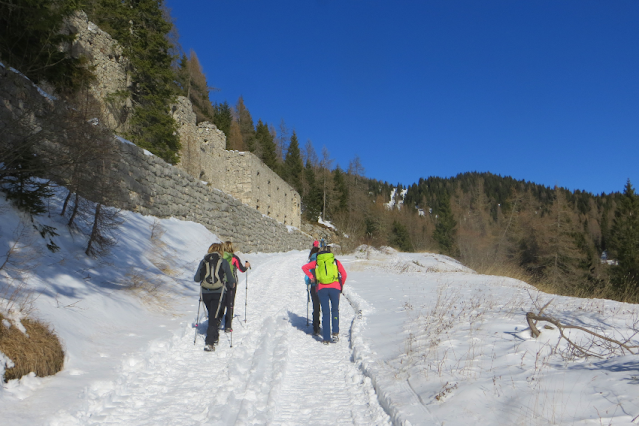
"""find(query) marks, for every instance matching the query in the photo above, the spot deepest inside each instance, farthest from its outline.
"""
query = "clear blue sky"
(546, 90)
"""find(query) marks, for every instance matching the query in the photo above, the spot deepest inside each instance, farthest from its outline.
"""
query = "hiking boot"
(335, 337)
(316, 333)
(325, 342)
(209, 348)
(229, 330)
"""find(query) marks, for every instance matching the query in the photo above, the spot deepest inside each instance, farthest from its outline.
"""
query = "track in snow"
(276, 373)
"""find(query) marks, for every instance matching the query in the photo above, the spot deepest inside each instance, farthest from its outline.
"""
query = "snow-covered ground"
(424, 341)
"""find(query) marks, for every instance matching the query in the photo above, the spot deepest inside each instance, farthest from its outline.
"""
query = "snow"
(391, 204)
(424, 340)
(128, 142)
(325, 223)
(40, 91)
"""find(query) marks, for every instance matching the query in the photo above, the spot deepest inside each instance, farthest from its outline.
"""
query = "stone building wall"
(240, 174)
(110, 69)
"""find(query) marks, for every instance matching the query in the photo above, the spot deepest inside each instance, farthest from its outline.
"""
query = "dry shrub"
(149, 292)
(502, 270)
(40, 351)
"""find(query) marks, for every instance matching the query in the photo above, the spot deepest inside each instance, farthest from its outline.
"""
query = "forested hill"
(551, 236)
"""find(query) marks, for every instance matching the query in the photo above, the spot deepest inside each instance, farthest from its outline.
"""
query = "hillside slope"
(424, 341)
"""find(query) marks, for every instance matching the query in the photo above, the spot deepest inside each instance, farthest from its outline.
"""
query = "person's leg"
(334, 298)
(230, 302)
(220, 315)
(212, 333)
(316, 309)
(326, 317)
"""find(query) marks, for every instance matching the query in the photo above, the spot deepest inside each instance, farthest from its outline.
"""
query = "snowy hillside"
(425, 341)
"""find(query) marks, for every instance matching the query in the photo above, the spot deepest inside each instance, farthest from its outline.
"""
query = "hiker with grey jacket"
(215, 277)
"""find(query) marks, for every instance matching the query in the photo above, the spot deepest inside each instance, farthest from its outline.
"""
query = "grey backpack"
(213, 277)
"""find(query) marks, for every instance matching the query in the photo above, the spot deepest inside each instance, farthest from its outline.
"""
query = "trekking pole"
(197, 319)
(246, 295)
(308, 299)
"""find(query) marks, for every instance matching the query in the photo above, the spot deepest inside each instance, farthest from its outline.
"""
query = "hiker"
(215, 276)
(236, 264)
(330, 277)
(312, 289)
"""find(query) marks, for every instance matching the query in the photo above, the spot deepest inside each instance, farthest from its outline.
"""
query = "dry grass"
(39, 351)
(149, 292)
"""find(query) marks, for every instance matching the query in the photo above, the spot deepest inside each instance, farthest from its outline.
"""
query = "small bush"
(40, 352)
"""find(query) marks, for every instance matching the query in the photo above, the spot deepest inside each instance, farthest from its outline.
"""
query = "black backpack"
(213, 275)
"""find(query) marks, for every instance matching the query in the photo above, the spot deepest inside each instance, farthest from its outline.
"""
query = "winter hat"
(315, 243)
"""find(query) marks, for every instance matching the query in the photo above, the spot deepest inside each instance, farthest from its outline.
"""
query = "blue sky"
(546, 91)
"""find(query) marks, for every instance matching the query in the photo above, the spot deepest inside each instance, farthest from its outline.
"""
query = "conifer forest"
(567, 242)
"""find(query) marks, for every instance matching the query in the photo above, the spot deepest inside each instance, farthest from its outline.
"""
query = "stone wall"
(150, 186)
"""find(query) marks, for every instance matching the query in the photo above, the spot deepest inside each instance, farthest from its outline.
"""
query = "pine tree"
(32, 41)
(141, 28)
(445, 232)
(222, 118)
(341, 190)
(266, 152)
(247, 129)
(312, 200)
(560, 255)
(293, 166)
(624, 241)
(234, 141)
(22, 187)
(195, 87)
(400, 237)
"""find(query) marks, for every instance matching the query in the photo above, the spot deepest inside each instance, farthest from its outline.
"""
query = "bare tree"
(326, 165)
(594, 344)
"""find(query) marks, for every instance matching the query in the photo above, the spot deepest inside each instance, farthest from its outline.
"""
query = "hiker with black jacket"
(330, 277)
(215, 277)
(236, 264)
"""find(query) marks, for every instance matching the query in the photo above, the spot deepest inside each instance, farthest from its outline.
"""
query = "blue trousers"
(330, 316)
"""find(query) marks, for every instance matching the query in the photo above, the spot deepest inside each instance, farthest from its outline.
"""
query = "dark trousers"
(230, 302)
(212, 301)
(316, 309)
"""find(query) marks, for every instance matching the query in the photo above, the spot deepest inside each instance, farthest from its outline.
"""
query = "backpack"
(229, 258)
(213, 278)
(307, 280)
(326, 271)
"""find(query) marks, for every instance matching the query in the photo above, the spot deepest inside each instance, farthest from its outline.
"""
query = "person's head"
(314, 250)
(328, 249)
(315, 243)
(216, 248)
(228, 247)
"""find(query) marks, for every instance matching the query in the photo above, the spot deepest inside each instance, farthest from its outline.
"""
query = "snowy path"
(276, 373)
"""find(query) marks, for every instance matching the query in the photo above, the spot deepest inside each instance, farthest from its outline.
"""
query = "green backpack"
(326, 270)
(229, 258)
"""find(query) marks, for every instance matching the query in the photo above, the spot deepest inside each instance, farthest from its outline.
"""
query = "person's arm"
(230, 279)
(238, 264)
(307, 270)
(200, 272)
(342, 272)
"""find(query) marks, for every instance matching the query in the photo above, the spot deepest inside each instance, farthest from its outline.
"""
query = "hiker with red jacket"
(330, 277)
(236, 264)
